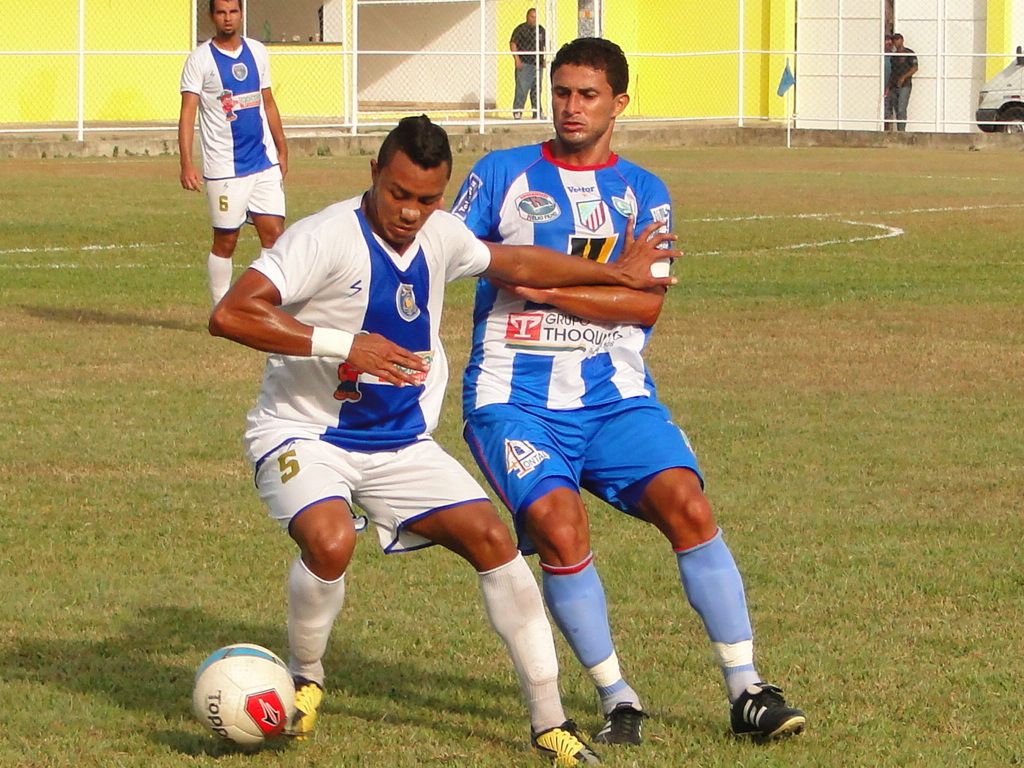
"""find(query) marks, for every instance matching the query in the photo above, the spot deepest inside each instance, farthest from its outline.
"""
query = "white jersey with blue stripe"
(236, 137)
(332, 271)
(535, 354)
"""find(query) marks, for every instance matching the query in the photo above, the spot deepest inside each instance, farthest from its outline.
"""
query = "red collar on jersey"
(545, 150)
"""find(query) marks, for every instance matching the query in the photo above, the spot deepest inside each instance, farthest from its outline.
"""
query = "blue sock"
(575, 597)
(715, 590)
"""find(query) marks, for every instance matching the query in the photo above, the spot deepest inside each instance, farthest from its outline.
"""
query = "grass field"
(845, 350)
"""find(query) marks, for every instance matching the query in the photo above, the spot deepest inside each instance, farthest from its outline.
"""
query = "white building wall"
(839, 62)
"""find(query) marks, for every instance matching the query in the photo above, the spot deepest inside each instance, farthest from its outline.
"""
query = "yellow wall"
(144, 87)
(141, 88)
(998, 34)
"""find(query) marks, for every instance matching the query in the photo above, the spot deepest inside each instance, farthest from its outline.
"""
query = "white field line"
(887, 231)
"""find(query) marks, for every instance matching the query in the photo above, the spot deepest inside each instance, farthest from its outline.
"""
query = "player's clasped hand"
(639, 253)
(376, 355)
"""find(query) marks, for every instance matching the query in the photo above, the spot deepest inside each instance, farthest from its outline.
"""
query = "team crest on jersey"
(624, 206)
(240, 71)
(522, 458)
(537, 207)
(405, 300)
(593, 214)
(348, 384)
(473, 186)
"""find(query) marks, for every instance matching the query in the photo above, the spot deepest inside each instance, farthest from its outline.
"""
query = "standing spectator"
(245, 158)
(904, 65)
(528, 40)
(888, 105)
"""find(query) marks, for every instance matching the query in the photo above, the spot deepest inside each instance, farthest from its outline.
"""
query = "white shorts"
(393, 488)
(232, 200)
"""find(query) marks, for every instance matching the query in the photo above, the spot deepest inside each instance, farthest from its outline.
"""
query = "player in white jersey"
(348, 303)
(245, 157)
(557, 396)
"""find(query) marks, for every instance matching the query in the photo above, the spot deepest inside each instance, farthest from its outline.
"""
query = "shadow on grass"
(81, 316)
(148, 667)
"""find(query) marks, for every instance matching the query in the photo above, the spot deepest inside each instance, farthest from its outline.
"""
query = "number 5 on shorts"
(289, 465)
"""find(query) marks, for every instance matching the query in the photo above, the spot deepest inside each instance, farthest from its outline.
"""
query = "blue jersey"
(535, 354)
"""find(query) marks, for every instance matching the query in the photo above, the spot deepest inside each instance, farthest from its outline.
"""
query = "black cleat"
(623, 725)
(761, 712)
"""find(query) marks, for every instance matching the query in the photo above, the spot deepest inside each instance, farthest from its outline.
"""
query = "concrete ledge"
(469, 140)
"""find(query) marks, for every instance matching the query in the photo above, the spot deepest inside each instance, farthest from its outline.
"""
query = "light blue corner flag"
(787, 81)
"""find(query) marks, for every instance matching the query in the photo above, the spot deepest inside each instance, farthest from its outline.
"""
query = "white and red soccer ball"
(243, 693)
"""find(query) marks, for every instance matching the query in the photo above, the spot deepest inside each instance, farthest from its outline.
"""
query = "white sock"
(313, 605)
(219, 270)
(514, 606)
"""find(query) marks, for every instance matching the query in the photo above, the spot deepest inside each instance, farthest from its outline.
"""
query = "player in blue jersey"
(245, 157)
(557, 396)
(348, 303)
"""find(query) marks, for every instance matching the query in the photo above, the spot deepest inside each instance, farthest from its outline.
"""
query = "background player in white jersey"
(557, 395)
(245, 157)
(349, 303)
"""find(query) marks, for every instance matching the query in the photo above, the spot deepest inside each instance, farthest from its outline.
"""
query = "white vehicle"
(1001, 100)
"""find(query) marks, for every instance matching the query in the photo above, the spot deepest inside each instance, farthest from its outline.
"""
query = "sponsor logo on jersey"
(592, 214)
(231, 103)
(598, 249)
(227, 103)
(473, 186)
(537, 207)
(522, 458)
(553, 330)
(240, 71)
(419, 377)
(624, 206)
(580, 189)
(405, 300)
(524, 326)
(662, 213)
(348, 384)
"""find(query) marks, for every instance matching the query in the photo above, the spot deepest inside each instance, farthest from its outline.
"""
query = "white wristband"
(330, 342)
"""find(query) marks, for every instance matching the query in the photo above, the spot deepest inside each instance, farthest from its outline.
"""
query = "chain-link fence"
(84, 65)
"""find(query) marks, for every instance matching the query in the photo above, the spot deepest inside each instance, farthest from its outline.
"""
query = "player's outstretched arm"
(544, 268)
(250, 314)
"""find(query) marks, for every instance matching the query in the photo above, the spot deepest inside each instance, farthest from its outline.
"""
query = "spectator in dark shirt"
(904, 65)
(888, 97)
(528, 40)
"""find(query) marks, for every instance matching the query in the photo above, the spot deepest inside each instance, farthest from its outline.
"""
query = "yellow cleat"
(308, 696)
(565, 746)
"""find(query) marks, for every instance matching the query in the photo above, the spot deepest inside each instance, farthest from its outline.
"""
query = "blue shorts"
(610, 450)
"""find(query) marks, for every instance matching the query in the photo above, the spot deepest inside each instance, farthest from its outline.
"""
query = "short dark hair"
(213, 1)
(596, 53)
(423, 142)
(897, 34)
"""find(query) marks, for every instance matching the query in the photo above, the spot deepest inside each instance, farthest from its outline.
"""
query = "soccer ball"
(243, 693)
